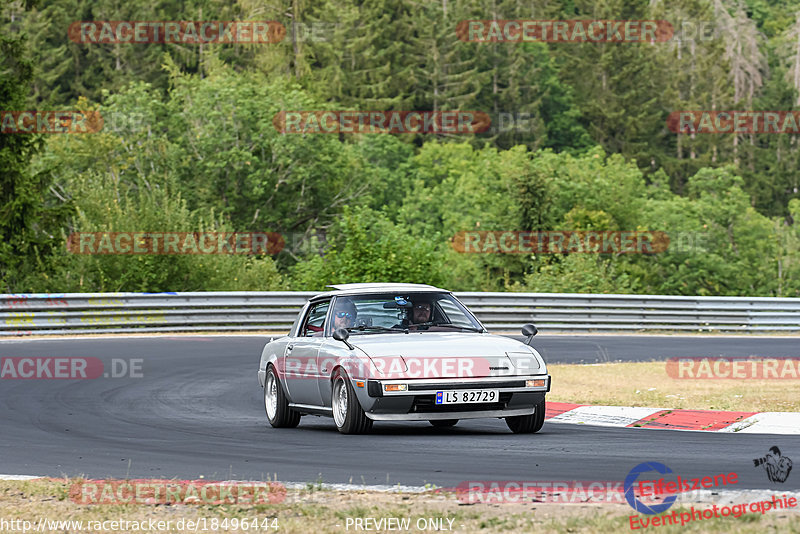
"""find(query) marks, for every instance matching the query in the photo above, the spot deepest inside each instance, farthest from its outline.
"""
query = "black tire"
(282, 416)
(443, 423)
(347, 412)
(527, 424)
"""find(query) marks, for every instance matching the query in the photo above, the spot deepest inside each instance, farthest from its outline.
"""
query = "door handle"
(289, 348)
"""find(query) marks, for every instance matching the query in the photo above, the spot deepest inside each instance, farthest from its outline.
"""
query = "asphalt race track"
(639, 348)
(197, 410)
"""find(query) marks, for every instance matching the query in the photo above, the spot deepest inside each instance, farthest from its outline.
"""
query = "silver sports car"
(399, 352)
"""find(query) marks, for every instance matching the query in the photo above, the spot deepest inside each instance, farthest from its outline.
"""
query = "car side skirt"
(311, 410)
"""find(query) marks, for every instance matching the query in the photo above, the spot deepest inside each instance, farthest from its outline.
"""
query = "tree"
(728, 247)
(698, 81)
(30, 214)
(793, 73)
(365, 246)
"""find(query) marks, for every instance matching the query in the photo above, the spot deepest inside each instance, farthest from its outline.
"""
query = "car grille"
(427, 404)
(467, 385)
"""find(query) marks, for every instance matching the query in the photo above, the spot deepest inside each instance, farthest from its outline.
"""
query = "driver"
(421, 313)
(344, 316)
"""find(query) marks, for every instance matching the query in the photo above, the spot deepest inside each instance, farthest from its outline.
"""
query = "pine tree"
(29, 215)
(697, 82)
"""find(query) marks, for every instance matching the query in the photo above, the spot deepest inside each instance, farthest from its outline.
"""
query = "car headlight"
(524, 361)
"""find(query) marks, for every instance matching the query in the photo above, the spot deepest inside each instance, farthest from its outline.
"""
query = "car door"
(302, 372)
(326, 360)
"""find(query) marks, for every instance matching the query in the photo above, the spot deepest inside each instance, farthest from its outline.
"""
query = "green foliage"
(66, 70)
(226, 152)
(366, 246)
(29, 217)
(139, 205)
(592, 181)
(720, 244)
(577, 273)
(190, 144)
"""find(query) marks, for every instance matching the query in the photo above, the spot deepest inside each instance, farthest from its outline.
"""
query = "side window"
(454, 315)
(315, 320)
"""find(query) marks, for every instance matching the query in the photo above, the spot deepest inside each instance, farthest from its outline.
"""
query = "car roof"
(365, 288)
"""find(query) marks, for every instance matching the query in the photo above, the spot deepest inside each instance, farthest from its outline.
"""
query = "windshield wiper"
(362, 328)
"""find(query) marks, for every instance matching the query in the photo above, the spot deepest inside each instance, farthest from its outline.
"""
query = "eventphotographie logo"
(631, 482)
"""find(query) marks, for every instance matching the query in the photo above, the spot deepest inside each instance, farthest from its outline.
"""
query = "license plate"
(467, 396)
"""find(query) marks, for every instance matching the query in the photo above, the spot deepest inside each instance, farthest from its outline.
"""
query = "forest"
(580, 141)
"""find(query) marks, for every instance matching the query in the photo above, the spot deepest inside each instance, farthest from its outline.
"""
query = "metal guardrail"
(78, 313)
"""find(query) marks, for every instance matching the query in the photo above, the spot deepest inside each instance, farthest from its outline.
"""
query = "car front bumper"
(417, 402)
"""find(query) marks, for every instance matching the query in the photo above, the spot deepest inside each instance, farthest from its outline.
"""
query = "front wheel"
(279, 414)
(347, 412)
(527, 424)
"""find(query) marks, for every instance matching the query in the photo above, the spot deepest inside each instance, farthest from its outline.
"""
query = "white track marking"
(604, 415)
(767, 423)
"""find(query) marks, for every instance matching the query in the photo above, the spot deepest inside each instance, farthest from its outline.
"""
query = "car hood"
(435, 354)
(456, 344)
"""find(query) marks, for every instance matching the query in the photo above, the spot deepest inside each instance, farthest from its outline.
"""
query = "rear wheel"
(277, 406)
(443, 423)
(347, 412)
(527, 424)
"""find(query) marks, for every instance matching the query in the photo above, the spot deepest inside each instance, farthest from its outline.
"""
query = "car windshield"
(400, 312)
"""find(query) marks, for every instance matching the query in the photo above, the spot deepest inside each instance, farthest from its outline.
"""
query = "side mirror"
(530, 331)
(341, 334)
